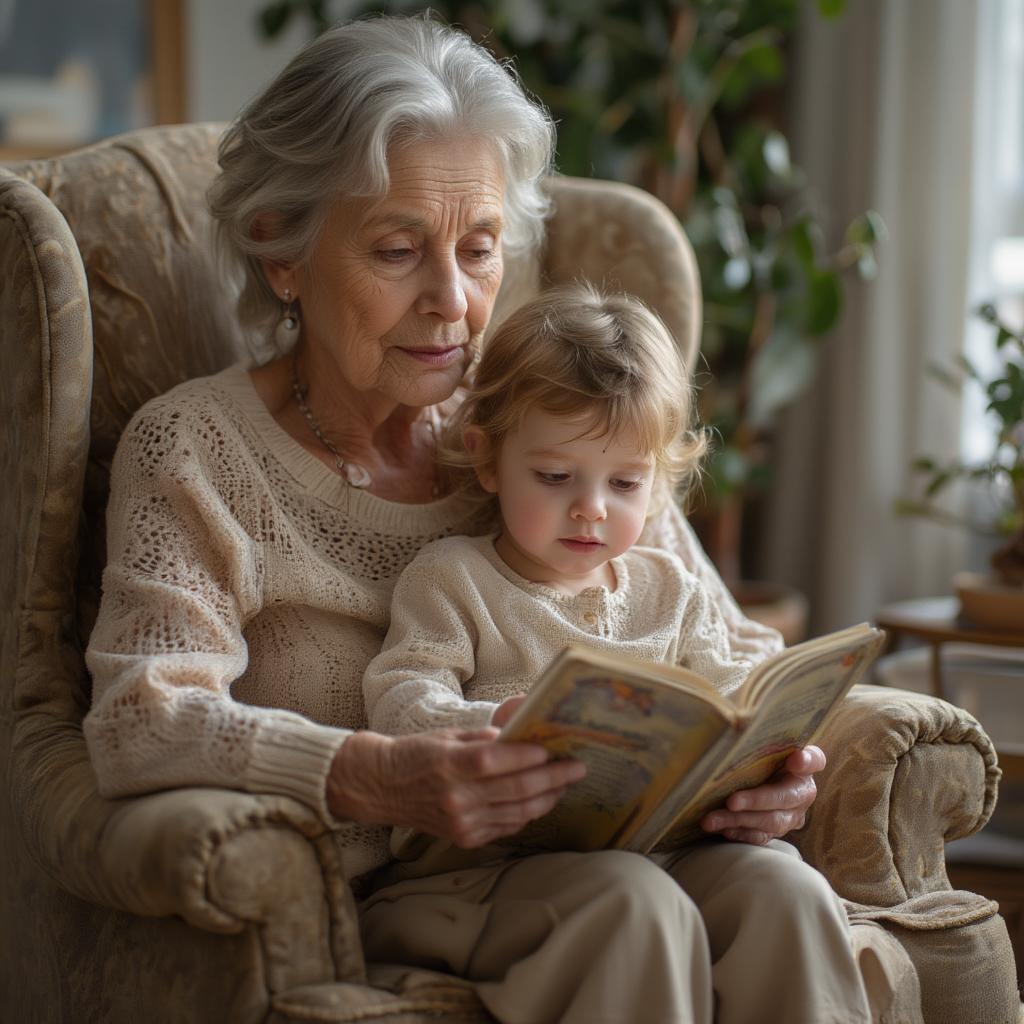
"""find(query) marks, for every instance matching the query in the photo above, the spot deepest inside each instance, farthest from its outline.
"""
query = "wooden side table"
(936, 622)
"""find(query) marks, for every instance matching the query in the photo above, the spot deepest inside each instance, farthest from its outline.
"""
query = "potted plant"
(998, 600)
(683, 99)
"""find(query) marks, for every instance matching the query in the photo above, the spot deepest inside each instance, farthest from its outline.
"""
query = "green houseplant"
(1002, 473)
(683, 99)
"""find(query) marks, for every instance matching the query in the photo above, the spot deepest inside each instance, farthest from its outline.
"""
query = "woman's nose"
(444, 293)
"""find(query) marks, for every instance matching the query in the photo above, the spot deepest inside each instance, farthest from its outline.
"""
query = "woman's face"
(400, 288)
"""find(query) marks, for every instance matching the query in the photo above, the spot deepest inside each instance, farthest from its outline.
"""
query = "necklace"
(355, 474)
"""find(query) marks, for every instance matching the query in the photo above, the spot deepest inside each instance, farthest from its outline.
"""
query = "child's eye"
(551, 478)
(626, 485)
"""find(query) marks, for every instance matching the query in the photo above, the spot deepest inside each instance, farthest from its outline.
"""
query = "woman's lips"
(434, 356)
(582, 544)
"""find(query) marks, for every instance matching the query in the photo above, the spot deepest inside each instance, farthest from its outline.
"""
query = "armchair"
(207, 905)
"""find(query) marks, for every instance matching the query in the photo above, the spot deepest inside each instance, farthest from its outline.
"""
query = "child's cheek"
(525, 517)
(632, 526)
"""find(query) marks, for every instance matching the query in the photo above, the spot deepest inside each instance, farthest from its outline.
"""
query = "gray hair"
(323, 128)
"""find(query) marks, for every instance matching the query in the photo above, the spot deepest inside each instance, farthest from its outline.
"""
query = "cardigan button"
(590, 618)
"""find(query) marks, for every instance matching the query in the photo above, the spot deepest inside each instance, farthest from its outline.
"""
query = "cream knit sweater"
(247, 589)
(467, 631)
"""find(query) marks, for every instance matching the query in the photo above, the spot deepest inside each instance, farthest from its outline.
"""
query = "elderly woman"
(258, 519)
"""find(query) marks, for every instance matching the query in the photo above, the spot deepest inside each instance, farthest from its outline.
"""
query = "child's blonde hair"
(574, 351)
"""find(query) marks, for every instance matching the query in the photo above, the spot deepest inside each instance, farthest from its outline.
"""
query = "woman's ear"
(280, 276)
(478, 444)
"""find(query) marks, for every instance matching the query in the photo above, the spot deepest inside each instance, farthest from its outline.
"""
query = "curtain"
(882, 119)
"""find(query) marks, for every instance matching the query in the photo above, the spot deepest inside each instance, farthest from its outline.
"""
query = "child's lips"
(581, 543)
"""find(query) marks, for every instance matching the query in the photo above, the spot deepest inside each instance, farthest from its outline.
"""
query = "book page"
(790, 716)
(636, 738)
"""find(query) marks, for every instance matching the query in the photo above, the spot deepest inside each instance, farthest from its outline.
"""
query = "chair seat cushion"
(397, 995)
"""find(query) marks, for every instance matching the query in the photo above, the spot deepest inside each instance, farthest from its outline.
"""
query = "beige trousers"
(722, 932)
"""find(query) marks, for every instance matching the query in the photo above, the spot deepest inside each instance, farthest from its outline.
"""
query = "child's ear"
(478, 445)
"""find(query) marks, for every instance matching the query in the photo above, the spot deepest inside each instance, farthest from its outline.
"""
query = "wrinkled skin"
(459, 786)
(774, 808)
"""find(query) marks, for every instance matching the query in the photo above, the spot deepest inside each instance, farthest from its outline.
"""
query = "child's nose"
(589, 508)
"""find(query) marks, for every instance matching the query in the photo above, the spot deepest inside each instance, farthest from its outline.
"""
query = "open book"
(663, 748)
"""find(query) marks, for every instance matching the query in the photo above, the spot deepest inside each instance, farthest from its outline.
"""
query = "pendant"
(287, 332)
(355, 475)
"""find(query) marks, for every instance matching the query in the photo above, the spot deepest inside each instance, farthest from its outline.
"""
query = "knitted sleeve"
(670, 531)
(182, 577)
(416, 682)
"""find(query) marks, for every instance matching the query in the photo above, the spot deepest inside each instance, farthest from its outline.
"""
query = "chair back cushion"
(160, 310)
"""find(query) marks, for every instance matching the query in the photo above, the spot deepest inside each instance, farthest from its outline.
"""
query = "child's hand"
(506, 709)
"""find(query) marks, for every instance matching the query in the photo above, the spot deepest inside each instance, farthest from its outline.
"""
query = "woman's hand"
(773, 809)
(460, 786)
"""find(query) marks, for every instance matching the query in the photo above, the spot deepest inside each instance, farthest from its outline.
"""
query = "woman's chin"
(428, 387)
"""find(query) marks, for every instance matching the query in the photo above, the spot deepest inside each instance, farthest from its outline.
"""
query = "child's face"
(568, 503)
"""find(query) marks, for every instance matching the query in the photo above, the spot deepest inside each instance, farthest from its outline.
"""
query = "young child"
(578, 424)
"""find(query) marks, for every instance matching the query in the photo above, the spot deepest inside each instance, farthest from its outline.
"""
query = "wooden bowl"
(986, 602)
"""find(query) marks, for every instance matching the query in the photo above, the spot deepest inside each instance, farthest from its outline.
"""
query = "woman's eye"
(627, 485)
(551, 478)
(480, 254)
(394, 255)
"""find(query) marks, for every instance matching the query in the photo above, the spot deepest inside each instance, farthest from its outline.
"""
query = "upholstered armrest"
(220, 859)
(906, 772)
(225, 860)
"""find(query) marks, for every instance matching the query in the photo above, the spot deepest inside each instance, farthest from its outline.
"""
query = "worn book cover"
(662, 747)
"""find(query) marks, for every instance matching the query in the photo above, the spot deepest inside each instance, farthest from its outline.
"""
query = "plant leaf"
(775, 152)
(831, 8)
(938, 482)
(736, 273)
(947, 376)
(824, 301)
(968, 367)
(273, 19)
(867, 265)
(907, 507)
(801, 237)
(866, 229)
(781, 371)
(728, 469)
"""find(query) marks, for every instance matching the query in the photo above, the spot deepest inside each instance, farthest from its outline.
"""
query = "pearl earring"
(287, 331)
